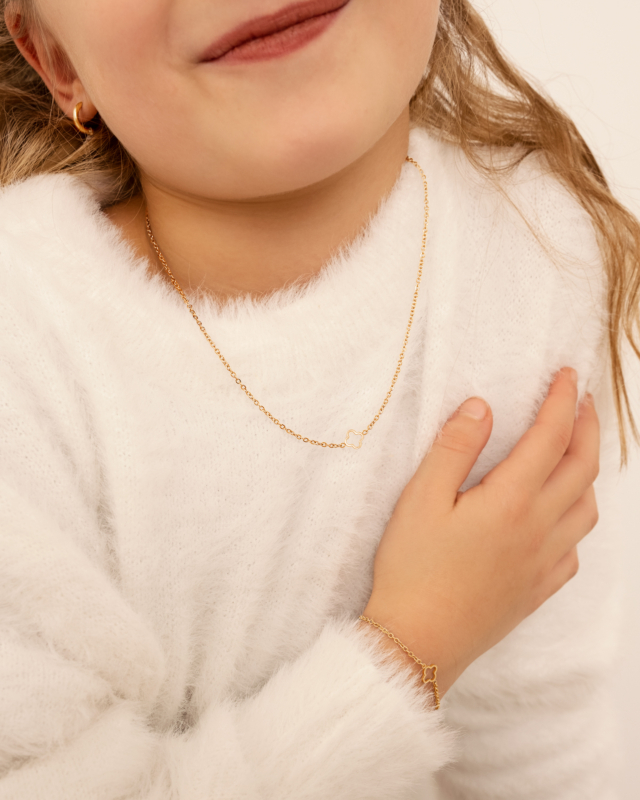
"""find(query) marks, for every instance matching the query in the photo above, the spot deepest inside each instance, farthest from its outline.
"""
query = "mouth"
(275, 35)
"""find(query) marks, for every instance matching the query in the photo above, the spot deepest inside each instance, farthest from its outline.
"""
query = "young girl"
(235, 236)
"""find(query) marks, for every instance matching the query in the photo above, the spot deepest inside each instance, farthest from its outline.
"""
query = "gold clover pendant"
(355, 446)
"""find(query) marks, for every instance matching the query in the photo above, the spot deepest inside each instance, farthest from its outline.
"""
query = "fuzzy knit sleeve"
(81, 671)
(536, 712)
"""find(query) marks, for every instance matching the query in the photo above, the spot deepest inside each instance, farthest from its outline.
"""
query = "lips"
(307, 18)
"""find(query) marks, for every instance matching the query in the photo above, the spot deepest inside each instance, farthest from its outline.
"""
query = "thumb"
(454, 452)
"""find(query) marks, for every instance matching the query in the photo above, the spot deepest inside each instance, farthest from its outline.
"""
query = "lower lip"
(281, 43)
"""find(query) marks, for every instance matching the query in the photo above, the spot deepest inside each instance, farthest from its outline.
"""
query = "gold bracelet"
(424, 666)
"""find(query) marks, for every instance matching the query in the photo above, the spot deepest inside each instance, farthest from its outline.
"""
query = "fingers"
(539, 451)
(566, 568)
(454, 452)
(574, 525)
(579, 466)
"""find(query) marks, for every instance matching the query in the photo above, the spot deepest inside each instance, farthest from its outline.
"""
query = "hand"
(455, 571)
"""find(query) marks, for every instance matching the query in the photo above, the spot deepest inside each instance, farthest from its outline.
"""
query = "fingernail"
(588, 398)
(474, 407)
(572, 374)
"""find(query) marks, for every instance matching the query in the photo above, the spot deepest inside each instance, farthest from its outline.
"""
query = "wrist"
(418, 640)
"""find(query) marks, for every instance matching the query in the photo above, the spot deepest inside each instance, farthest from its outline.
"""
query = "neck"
(260, 245)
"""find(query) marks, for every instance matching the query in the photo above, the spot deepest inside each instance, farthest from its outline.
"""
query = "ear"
(51, 64)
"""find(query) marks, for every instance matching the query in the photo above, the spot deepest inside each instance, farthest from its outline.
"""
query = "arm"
(81, 672)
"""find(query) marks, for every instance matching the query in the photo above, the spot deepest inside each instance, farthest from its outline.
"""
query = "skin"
(254, 174)
(455, 572)
(275, 164)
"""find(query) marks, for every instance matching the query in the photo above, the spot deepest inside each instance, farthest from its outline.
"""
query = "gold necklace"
(238, 380)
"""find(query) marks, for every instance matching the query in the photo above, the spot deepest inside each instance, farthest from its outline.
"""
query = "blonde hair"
(37, 137)
(471, 96)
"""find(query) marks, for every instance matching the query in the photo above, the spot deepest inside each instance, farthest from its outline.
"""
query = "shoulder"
(41, 219)
(64, 272)
(517, 263)
(524, 210)
(522, 257)
(45, 219)
(60, 256)
(46, 222)
(526, 204)
(37, 218)
(45, 208)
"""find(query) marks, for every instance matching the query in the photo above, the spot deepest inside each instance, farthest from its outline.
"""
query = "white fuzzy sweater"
(180, 579)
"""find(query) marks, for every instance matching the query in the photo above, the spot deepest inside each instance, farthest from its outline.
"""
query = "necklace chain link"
(238, 380)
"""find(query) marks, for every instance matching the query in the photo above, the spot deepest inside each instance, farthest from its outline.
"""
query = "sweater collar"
(354, 310)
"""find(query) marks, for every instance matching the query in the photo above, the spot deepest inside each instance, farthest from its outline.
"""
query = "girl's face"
(267, 118)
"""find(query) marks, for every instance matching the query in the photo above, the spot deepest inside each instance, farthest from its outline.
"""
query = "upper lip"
(270, 23)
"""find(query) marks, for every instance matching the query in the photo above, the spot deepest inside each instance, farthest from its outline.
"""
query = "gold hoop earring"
(76, 121)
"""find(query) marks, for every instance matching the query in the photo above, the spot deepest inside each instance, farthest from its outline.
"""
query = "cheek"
(106, 39)
(119, 50)
(264, 128)
(406, 30)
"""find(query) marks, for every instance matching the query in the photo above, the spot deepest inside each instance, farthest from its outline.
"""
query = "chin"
(309, 141)
(272, 147)
(305, 161)
(290, 157)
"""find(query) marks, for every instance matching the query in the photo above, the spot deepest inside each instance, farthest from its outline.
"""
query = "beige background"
(586, 54)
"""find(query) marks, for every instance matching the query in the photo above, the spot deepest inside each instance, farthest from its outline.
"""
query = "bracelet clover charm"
(425, 667)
